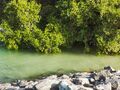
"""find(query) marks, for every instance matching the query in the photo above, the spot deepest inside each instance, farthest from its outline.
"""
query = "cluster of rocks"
(106, 79)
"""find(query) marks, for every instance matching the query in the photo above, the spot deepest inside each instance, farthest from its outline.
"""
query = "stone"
(84, 81)
(88, 85)
(76, 75)
(99, 87)
(13, 88)
(114, 84)
(65, 77)
(76, 81)
(31, 84)
(23, 83)
(46, 84)
(107, 86)
(71, 75)
(103, 87)
(92, 80)
(110, 69)
(94, 76)
(117, 73)
(5, 86)
(80, 81)
(15, 83)
(84, 88)
(29, 87)
(85, 74)
(8, 86)
(54, 87)
(64, 85)
(23, 89)
(105, 73)
(52, 77)
(102, 78)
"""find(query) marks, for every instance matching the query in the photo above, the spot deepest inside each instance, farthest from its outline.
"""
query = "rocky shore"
(106, 79)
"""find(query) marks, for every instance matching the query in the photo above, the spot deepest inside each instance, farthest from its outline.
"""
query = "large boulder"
(48, 83)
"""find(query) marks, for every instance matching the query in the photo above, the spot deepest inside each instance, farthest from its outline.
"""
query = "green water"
(19, 65)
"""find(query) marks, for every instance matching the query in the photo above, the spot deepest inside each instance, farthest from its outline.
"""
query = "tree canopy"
(49, 25)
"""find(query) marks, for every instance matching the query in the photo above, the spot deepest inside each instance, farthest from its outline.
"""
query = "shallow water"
(19, 65)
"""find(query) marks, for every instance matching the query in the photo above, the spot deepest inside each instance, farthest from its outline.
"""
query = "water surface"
(19, 65)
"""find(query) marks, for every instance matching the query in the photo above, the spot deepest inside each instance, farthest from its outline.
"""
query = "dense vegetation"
(47, 26)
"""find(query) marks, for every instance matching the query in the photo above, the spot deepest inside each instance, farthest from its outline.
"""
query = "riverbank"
(106, 79)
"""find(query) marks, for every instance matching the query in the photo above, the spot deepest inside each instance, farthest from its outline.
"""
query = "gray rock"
(107, 86)
(105, 73)
(88, 85)
(5, 86)
(99, 87)
(84, 81)
(77, 81)
(84, 88)
(117, 73)
(76, 75)
(92, 80)
(64, 85)
(103, 87)
(65, 77)
(109, 68)
(46, 84)
(23, 83)
(102, 79)
(114, 84)
(13, 88)
(54, 87)
(15, 83)
(29, 87)
(52, 77)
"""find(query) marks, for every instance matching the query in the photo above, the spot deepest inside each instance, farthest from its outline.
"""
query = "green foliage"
(47, 41)
(19, 21)
(53, 24)
(94, 23)
(68, 17)
(108, 35)
(78, 20)
(52, 38)
(10, 38)
(21, 31)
